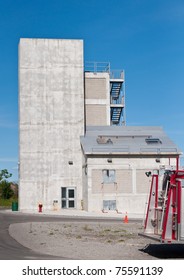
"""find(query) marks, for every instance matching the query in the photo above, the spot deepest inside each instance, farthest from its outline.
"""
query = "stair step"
(115, 89)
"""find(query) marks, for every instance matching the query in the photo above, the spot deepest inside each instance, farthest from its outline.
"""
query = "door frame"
(67, 199)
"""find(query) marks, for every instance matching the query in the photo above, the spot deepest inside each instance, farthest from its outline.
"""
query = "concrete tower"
(51, 121)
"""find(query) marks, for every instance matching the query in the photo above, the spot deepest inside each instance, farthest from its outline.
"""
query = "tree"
(4, 174)
(5, 190)
(5, 187)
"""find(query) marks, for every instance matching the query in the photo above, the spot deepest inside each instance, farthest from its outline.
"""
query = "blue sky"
(143, 37)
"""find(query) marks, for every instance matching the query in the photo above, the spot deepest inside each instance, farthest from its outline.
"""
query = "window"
(153, 141)
(109, 205)
(108, 176)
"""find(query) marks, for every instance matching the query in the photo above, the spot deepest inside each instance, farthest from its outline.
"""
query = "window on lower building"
(108, 176)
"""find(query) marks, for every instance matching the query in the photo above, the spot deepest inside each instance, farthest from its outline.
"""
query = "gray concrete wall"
(51, 115)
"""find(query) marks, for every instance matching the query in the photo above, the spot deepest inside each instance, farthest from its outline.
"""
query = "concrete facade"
(51, 121)
(131, 186)
(74, 148)
(115, 162)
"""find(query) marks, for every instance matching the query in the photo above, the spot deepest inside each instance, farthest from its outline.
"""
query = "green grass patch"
(7, 203)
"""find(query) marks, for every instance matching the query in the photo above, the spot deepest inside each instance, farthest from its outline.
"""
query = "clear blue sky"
(144, 37)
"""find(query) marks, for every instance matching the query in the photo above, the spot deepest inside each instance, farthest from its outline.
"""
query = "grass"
(7, 203)
(107, 230)
(120, 231)
(78, 237)
(66, 226)
(87, 228)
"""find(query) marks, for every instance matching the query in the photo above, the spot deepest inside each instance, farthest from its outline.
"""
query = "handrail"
(93, 66)
(103, 67)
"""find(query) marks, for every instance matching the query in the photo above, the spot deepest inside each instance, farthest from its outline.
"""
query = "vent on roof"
(101, 140)
(153, 140)
(104, 140)
(109, 141)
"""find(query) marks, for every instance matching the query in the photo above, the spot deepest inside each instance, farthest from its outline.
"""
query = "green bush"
(5, 190)
(7, 203)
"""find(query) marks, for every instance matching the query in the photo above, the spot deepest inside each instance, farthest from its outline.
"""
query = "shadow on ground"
(165, 251)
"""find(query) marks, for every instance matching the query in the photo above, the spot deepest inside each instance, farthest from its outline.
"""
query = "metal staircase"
(115, 91)
(117, 100)
(116, 115)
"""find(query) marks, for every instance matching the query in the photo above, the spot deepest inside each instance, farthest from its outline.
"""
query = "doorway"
(67, 197)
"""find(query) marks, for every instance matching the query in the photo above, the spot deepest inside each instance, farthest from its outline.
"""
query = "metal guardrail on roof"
(111, 149)
(127, 149)
(159, 150)
(104, 67)
(117, 74)
(92, 66)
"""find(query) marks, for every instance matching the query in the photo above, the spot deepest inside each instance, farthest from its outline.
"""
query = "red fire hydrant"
(40, 206)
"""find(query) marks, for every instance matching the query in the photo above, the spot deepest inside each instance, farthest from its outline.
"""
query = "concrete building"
(115, 163)
(74, 148)
(51, 121)
(104, 95)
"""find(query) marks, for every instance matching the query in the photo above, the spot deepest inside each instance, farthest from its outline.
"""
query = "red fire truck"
(164, 219)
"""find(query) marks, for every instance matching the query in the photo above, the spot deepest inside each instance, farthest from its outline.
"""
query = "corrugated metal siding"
(95, 88)
(142, 181)
(96, 115)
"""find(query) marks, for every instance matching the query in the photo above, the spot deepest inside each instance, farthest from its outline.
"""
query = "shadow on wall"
(165, 251)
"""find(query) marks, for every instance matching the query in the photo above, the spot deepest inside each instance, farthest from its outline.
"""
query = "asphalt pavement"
(12, 250)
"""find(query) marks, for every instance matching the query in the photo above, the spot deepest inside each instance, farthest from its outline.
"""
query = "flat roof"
(128, 140)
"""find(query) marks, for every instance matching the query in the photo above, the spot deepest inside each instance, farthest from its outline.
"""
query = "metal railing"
(117, 74)
(121, 149)
(158, 150)
(97, 67)
(120, 100)
(103, 67)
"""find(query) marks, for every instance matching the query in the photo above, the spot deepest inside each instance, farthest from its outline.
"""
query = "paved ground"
(11, 249)
(77, 237)
(83, 240)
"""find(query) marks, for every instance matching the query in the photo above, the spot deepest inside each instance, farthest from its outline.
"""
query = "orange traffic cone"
(126, 218)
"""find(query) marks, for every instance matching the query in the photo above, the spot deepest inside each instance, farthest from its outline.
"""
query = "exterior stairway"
(116, 114)
(116, 101)
(115, 90)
